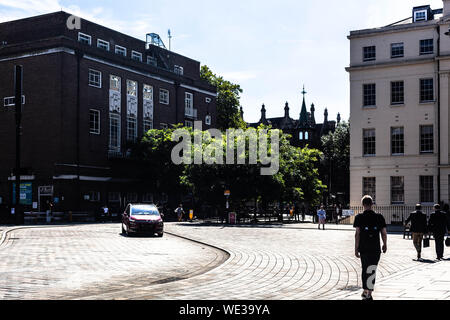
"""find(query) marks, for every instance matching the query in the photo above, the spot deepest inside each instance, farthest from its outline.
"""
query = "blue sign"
(26, 193)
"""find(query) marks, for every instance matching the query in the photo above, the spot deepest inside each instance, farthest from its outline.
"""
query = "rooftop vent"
(422, 13)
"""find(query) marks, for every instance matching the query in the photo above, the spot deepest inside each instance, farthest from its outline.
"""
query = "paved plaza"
(289, 262)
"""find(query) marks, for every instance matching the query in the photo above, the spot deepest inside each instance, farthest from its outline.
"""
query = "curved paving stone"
(79, 261)
(264, 263)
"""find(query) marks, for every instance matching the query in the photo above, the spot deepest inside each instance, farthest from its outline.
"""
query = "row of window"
(94, 125)
(95, 80)
(398, 50)
(426, 92)
(303, 135)
(122, 51)
(426, 189)
(398, 141)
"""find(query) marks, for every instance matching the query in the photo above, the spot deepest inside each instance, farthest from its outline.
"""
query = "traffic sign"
(227, 192)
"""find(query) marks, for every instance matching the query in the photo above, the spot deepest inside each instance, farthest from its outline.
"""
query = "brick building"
(89, 92)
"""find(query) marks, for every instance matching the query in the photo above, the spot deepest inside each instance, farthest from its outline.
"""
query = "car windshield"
(147, 211)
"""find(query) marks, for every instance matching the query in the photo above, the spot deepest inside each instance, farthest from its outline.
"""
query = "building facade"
(90, 93)
(399, 110)
(304, 130)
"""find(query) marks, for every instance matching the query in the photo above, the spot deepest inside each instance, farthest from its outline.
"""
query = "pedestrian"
(303, 213)
(180, 212)
(297, 212)
(105, 213)
(337, 214)
(438, 226)
(369, 225)
(322, 216)
(447, 213)
(418, 228)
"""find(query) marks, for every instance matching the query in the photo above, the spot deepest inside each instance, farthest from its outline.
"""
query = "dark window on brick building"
(94, 121)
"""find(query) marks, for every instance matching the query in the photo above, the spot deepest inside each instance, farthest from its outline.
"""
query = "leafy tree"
(296, 180)
(336, 150)
(154, 155)
(228, 100)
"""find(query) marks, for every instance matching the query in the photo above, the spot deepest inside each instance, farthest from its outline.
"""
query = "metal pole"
(18, 74)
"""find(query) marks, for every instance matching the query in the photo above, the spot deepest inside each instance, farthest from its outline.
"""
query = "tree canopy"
(228, 100)
(296, 180)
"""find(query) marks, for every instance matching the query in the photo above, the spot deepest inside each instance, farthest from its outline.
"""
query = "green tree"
(296, 180)
(153, 154)
(228, 100)
(336, 164)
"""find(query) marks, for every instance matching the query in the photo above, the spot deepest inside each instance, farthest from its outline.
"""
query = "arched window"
(306, 135)
(300, 136)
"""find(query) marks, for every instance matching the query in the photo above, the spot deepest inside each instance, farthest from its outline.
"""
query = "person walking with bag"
(369, 225)
(438, 225)
(418, 228)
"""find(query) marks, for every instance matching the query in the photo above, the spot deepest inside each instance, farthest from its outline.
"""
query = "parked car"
(143, 219)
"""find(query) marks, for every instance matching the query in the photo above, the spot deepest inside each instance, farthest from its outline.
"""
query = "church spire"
(303, 122)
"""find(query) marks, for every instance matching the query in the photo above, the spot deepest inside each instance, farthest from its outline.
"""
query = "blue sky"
(271, 48)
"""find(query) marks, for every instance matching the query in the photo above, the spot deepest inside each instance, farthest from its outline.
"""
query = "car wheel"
(123, 229)
(160, 235)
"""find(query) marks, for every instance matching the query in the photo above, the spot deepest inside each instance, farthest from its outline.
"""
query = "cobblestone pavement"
(290, 262)
(79, 261)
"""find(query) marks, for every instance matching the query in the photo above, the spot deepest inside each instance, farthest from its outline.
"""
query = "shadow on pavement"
(425, 261)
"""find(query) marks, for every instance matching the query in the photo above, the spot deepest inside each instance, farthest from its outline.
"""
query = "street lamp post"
(18, 82)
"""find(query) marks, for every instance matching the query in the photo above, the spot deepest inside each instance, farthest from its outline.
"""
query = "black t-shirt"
(370, 224)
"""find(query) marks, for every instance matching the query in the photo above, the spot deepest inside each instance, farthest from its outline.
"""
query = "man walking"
(180, 212)
(438, 225)
(369, 225)
(296, 212)
(418, 228)
(322, 216)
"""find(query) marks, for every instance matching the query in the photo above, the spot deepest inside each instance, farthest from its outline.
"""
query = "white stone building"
(399, 110)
